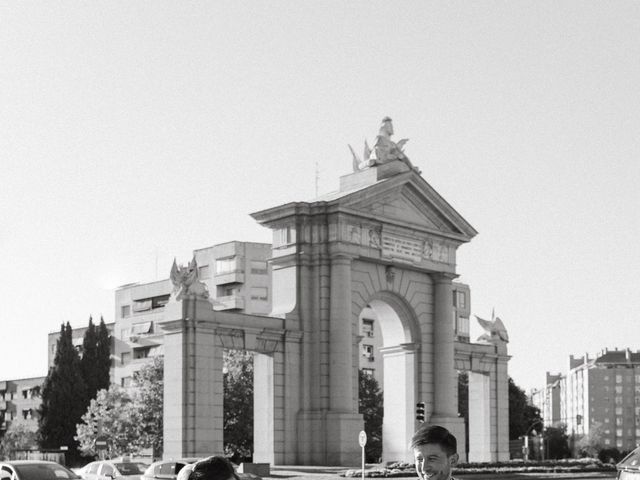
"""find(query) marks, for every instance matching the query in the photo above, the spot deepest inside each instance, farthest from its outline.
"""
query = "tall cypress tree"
(89, 361)
(63, 397)
(103, 357)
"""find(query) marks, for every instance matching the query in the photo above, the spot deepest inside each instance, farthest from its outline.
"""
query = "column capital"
(342, 258)
(443, 277)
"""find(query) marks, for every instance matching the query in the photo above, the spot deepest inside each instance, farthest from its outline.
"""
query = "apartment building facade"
(19, 403)
(599, 391)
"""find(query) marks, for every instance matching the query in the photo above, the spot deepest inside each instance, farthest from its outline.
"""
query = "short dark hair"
(213, 468)
(435, 434)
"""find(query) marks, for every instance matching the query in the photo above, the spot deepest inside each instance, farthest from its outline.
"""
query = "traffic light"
(420, 412)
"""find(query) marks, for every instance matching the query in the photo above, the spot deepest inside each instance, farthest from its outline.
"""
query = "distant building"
(237, 276)
(19, 402)
(601, 390)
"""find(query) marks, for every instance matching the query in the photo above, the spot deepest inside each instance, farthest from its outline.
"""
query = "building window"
(125, 358)
(618, 400)
(606, 377)
(284, 236)
(204, 271)
(618, 378)
(606, 420)
(226, 265)
(618, 410)
(125, 382)
(367, 351)
(618, 432)
(141, 353)
(618, 421)
(125, 311)
(368, 371)
(367, 327)
(619, 443)
(619, 389)
(607, 441)
(259, 293)
(160, 301)
(258, 267)
(460, 299)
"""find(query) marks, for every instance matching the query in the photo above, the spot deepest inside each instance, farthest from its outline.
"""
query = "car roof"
(31, 462)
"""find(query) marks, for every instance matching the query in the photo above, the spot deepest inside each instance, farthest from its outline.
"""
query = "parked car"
(111, 469)
(166, 469)
(35, 470)
(629, 466)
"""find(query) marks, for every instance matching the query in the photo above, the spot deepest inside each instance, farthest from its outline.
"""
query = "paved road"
(333, 473)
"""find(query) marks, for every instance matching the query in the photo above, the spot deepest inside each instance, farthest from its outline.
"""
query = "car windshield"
(44, 471)
(631, 460)
(128, 468)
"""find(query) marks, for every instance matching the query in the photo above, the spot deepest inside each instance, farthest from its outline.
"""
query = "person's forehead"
(429, 449)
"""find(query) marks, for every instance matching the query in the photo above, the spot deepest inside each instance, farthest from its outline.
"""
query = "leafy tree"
(238, 404)
(63, 398)
(148, 385)
(370, 405)
(557, 442)
(17, 437)
(593, 442)
(522, 416)
(112, 414)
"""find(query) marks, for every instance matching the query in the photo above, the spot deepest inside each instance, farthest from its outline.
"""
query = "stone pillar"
(341, 337)
(480, 437)
(445, 405)
(399, 395)
(263, 409)
(193, 390)
(343, 423)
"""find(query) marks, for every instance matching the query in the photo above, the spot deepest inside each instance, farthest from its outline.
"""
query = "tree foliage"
(63, 397)
(592, 443)
(112, 414)
(131, 422)
(522, 416)
(371, 406)
(148, 385)
(17, 437)
(238, 404)
(557, 442)
(95, 361)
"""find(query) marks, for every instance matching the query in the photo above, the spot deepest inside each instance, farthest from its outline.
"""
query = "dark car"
(112, 469)
(166, 469)
(35, 470)
(629, 466)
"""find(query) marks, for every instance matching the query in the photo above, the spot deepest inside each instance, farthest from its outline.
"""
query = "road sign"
(102, 442)
(362, 438)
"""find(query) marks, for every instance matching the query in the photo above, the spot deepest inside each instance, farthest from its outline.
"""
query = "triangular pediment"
(407, 200)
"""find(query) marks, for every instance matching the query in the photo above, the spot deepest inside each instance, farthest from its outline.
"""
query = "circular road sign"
(362, 438)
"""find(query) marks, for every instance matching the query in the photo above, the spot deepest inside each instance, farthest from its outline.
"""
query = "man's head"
(213, 468)
(435, 452)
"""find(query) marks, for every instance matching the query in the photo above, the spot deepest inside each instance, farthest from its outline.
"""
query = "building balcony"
(236, 276)
(230, 302)
(7, 406)
(7, 387)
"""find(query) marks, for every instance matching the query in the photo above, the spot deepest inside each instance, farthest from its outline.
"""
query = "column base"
(455, 425)
(329, 438)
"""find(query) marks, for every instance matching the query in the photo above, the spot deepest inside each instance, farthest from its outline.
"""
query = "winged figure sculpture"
(494, 330)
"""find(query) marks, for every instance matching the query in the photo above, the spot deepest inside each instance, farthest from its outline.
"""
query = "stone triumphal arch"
(387, 241)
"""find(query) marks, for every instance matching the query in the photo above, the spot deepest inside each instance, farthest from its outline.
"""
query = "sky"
(134, 132)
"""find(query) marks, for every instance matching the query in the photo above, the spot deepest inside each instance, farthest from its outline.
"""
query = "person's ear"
(453, 459)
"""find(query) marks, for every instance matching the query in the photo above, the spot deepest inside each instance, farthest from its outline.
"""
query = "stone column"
(445, 404)
(342, 422)
(443, 350)
(340, 337)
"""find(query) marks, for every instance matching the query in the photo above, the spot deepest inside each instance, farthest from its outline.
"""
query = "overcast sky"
(135, 131)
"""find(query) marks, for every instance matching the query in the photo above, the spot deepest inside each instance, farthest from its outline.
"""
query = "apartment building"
(237, 275)
(19, 402)
(601, 390)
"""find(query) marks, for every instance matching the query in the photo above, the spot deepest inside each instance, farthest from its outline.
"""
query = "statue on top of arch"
(494, 330)
(186, 281)
(384, 150)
